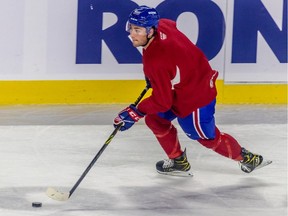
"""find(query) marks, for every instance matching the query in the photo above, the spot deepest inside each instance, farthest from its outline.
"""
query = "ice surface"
(43, 146)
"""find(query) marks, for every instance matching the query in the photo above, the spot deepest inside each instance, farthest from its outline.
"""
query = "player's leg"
(166, 135)
(200, 126)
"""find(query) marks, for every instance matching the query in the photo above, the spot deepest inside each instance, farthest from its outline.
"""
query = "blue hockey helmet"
(144, 16)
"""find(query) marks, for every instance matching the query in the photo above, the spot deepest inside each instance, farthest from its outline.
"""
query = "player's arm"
(127, 117)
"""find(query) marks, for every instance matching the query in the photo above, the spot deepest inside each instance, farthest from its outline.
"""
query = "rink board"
(124, 91)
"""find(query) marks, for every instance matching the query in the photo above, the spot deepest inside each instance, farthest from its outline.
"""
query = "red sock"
(170, 143)
(223, 144)
(166, 135)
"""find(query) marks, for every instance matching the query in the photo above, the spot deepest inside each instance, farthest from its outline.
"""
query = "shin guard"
(223, 144)
(166, 135)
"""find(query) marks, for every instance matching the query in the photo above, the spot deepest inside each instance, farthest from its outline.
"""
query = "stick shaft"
(141, 96)
(104, 146)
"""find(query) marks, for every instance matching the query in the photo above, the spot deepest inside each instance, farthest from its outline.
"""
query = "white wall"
(38, 42)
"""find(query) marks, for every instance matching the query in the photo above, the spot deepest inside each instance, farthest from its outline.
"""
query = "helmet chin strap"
(148, 39)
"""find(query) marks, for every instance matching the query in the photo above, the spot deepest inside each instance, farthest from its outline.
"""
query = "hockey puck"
(36, 204)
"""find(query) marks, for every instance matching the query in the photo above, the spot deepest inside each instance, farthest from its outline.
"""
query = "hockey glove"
(128, 117)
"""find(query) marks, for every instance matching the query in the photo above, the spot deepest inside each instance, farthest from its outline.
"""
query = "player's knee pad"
(211, 143)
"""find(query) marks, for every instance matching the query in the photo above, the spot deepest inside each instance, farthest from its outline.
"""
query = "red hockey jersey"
(181, 77)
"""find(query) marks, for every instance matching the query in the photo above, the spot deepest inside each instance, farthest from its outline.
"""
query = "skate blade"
(177, 173)
(263, 164)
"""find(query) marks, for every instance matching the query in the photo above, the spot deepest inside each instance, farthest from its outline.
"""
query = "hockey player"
(183, 88)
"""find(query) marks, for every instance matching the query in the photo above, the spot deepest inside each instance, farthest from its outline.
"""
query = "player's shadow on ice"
(156, 198)
(245, 193)
(21, 198)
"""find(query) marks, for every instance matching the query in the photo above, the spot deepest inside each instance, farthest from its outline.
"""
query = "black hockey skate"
(177, 167)
(251, 161)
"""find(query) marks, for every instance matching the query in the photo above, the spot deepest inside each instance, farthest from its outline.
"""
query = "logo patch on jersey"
(163, 36)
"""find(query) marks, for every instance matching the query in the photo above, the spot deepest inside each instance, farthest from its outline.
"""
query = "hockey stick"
(63, 196)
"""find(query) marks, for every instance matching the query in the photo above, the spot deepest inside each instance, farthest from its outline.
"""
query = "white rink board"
(39, 43)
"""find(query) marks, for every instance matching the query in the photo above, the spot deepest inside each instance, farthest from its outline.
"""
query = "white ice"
(43, 146)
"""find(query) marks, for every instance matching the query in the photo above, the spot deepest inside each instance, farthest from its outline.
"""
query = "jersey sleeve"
(161, 98)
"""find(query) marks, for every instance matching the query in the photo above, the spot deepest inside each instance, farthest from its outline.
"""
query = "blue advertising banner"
(250, 18)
